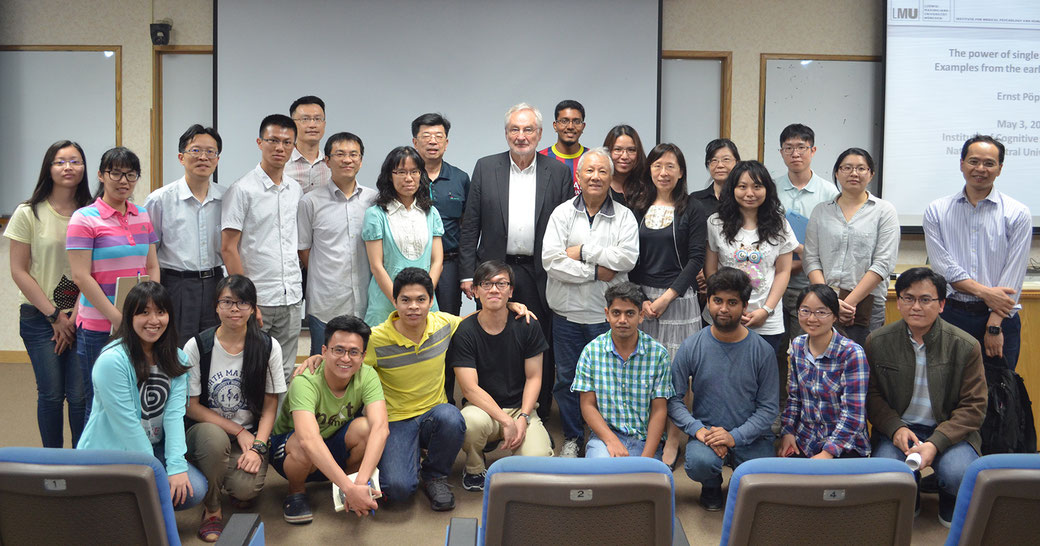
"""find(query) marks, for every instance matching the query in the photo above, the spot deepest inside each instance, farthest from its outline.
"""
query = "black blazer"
(485, 223)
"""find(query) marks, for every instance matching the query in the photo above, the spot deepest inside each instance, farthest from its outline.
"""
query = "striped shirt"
(412, 373)
(625, 388)
(310, 176)
(826, 398)
(919, 412)
(570, 160)
(119, 245)
(988, 243)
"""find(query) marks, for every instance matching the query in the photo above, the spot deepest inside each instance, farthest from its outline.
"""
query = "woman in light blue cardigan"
(141, 392)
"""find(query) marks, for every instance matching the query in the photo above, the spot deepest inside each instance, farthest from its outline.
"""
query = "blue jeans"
(58, 378)
(975, 325)
(635, 446)
(439, 431)
(317, 330)
(703, 465)
(88, 346)
(949, 466)
(569, 338)
(199, 484)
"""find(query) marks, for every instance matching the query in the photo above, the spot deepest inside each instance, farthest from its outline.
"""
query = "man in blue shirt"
(732, 372)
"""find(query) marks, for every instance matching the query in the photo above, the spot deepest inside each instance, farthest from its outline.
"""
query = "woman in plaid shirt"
(825, 416)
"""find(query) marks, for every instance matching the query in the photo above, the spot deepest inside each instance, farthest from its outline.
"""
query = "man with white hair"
(511, 196)
(591, 243)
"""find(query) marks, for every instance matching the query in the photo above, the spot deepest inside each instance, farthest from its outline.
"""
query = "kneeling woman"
(141, 389)
(825, 417)
(235, 405)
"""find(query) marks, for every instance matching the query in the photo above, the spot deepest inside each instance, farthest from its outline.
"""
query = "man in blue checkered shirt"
(623, 379)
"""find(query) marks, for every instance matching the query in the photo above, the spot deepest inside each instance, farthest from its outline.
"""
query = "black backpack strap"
(204, 342)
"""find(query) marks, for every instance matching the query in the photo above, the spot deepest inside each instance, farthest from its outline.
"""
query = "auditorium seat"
(547, 500)
(998, 502)
(798, 501)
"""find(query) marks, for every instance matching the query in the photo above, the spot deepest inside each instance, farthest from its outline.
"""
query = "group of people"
(593, 268)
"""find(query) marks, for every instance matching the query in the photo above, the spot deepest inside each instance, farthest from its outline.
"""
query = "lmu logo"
(904, 13)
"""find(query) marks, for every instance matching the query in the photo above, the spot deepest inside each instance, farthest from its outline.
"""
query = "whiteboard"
(187, 98)
(691, 110)
(46, 96)
(841, 100)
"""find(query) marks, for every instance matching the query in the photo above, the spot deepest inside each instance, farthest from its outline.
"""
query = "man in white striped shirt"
(978, 238)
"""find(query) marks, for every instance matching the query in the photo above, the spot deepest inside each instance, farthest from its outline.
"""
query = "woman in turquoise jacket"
(141, 392)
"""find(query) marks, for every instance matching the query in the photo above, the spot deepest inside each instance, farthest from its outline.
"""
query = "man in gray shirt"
(733, 375)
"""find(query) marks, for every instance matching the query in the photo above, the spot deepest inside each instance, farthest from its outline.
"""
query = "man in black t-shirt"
(498, 363)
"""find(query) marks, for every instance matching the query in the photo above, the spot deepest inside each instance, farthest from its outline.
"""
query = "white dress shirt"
(408, 226)
(309, 175)
(520, 231)
(188, 231)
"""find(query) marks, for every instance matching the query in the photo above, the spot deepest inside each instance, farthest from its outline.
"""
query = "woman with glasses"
(626, 151)
(851, 244)
(234, 406)
(826, 413)
(671, 253)
(107, 240)
(720, 156)
(403, 229)
(750, 233)
(40, 269)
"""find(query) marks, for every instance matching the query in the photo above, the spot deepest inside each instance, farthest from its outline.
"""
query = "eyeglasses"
(658, 166)
(71, 163)
(310, 119)
(923, 300)
(821, 314)
(340, 352)
(501, 285)
(976, 162)
(860, 169)
(414, 173)
(527, 131)
(274, 142)
(564, 122)
(227, 305)
(199, 152)
(117, 176)
(339, 156)
(622, 151)
(432, 137)
(721, 161)
(788, 150)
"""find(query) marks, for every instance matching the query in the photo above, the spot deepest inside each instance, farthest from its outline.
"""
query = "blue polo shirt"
(449, 193)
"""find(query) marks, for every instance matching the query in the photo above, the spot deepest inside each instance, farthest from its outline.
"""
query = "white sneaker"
(570, 449)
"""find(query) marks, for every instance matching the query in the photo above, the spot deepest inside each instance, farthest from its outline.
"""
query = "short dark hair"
(827, 296)
(491, 268)
(565, 104)
(983, 138)
(719, 144)
(430, 120)
(343, 137)
(799, 131)
(916, 274)
(628, 291)
(306, 99)
(196, 130)
(730, 279)
(349, 324)
(852, 151)
(119, 157)
(278, 120)
(413, 275)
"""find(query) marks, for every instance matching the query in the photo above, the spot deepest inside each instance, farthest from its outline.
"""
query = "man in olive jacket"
(927, 391)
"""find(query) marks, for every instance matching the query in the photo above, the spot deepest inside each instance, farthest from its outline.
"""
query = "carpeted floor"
(410, 524)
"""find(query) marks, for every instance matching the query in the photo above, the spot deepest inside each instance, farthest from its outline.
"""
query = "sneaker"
(296, 510)
(947, 503)
(441, 497)
(570, 448)
(473, 482)
(711, 498)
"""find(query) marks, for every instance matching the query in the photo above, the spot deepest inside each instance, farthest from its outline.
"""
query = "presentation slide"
(955, 68)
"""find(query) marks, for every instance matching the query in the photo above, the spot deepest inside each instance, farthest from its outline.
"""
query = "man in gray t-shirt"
(732, 373)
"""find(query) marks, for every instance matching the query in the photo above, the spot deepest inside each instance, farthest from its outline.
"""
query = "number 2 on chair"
(581, 494)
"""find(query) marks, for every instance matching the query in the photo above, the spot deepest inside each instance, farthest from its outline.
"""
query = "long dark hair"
(385, 182)
(164, 350)
(633, 180)
(257, 351)
(647, 197)
(45, 183)
(770, 212)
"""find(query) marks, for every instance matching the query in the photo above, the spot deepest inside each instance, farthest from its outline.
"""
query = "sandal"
(211, 527)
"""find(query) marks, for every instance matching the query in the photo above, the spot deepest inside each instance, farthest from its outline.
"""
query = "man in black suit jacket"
(511, 196)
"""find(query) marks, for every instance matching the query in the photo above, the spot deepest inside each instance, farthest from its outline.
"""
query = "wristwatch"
(525, 416)
(993, 330)
(769, 310)
(259, 447)
(53, 317)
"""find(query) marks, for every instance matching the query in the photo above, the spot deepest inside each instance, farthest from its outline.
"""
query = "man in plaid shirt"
(624, 380)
